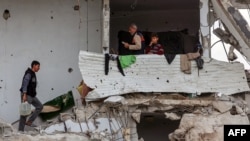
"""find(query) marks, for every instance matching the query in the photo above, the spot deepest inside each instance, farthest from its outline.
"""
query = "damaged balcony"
(155, 92)
(152, 73)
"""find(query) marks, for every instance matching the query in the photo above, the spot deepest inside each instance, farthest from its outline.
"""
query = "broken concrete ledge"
(152, 73)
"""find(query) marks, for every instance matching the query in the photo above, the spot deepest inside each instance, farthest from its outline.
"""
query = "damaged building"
(169, 97)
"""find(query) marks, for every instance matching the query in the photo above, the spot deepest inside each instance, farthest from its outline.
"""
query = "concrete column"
(205, 27)
(105, 26)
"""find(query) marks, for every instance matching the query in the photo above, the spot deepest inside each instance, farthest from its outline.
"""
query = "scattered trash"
(60, 104)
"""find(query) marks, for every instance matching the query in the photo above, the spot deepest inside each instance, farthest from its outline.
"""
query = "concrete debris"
(222, 106)
(89, 111)
(225, 37)
(98, 136)
(5, 129)
(201, 118)
(239, 110)
(198, 127)
(115, 100)
(170, 103)
(157, 108)
(247, 98)
(172, 116)
(104, 127)
(222, 97)
(65, 116)
(136, 116)
(126, 134)
(206, 110)
(177, 135)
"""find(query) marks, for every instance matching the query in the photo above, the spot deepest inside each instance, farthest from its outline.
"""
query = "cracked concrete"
(201, 118)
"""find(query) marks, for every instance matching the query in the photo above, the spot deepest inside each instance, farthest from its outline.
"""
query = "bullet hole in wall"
(52, 89)
(11, 55)
(70, 70)
(6, 14)
(105, 48)
(76, 7)
(51, 17)
(51, 51)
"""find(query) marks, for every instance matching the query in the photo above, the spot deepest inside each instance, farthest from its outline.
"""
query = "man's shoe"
(30, 124)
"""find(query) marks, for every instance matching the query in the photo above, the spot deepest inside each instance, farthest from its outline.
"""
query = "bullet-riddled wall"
(51, 31)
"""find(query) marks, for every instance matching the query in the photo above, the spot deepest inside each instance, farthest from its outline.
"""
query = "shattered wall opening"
(156, 124)
(162, 16)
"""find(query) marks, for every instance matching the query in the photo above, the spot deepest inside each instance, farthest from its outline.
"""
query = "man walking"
(28, 93)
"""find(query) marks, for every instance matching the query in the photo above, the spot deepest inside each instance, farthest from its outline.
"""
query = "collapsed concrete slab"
(152, 87)
(152, 73)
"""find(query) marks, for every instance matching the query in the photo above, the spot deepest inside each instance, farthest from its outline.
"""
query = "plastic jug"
(25, 109)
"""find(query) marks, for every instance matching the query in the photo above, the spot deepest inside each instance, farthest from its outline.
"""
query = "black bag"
(199, 62)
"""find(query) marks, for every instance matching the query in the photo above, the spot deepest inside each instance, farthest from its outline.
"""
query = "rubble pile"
(116, 118)
(5, 129)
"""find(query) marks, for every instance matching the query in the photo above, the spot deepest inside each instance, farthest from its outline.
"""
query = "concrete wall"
(51, 32)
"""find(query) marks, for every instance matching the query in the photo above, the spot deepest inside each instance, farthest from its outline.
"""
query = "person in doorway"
(154, 47)
(133, 45)
(28, 93)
